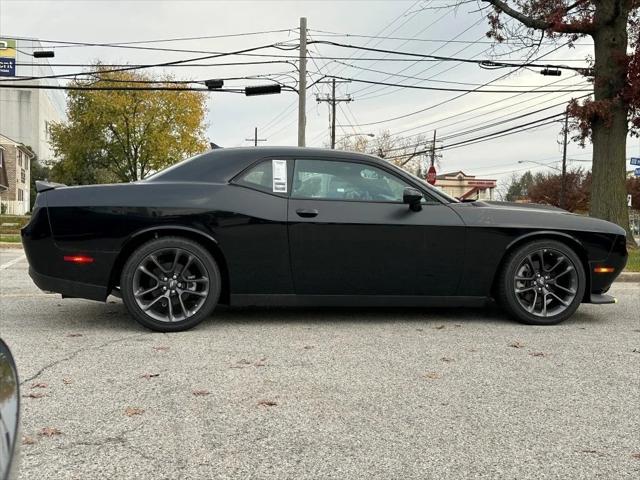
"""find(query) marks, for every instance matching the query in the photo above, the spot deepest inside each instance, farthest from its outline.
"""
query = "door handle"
(307, 212)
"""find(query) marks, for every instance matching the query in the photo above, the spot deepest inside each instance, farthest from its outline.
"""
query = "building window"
(19, 194)
(23, 176)
(1, 157)
(19, 158)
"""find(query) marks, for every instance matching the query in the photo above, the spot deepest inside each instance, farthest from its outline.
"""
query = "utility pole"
(563, 186)
(255, 138)
(302, 83)
(333, 101)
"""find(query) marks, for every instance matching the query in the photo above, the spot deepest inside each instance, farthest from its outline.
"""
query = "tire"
(541, 296)
(170, 284)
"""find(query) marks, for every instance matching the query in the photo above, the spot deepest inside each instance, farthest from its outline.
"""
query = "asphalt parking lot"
(334, 393)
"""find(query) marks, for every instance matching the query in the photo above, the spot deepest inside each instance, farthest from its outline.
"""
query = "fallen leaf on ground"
(267, 403)
(473, 349)
(200, 393)
(432, 375)
(537, 354)
(447, 359)
(636, 455)
(149, 375)
(74, 335)
(39, 385)
(161, 348)
(457, 325)
(308, 347)
(67, 381)
(516, 344)
(261, 362)
(439, 327)
(131, 411)
(34, 395)
(49, 432)
(27, 440)
(243, 361)
(635, 350)
(590, 451)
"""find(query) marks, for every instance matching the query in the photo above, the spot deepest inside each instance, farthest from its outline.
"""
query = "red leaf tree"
(614, 111)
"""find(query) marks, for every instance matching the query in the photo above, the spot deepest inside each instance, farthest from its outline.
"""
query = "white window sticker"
(279, 176)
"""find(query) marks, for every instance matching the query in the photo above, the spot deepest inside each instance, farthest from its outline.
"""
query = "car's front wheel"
(170, 284)
(542, 283)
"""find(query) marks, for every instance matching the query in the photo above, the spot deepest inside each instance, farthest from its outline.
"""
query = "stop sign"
(431, 175)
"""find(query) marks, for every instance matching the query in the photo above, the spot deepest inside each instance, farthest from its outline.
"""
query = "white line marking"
(12, 262)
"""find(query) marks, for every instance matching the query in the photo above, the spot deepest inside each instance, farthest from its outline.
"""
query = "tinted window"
(345, 181)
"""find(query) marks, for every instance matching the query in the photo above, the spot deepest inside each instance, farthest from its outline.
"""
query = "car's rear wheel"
(542, 283)
(170, 284)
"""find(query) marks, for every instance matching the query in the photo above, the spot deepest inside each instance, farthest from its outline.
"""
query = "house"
(4, 178)
(16, 163)
(466, 187)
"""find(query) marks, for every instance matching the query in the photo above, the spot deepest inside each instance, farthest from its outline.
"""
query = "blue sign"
(637, 172)
(635, 161)
(7, 67)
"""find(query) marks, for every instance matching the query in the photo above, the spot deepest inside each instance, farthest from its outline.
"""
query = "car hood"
(531, 216)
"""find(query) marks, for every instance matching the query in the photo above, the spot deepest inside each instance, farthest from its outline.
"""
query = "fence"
(13, 207)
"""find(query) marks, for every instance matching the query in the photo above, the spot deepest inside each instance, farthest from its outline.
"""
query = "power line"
(66, 44)
(325, 33)
(444, 89)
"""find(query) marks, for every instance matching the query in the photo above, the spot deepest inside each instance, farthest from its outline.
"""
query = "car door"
(351, 234)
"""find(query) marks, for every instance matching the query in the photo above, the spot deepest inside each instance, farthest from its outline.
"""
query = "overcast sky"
(428, 24)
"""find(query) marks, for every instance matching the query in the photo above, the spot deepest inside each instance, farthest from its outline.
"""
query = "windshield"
(433, 189)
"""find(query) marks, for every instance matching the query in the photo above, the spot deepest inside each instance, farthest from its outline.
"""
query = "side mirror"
(412, 197)
(9, 414)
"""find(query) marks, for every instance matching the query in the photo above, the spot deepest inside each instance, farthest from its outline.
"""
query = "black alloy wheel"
(542, 283)
(170, 284)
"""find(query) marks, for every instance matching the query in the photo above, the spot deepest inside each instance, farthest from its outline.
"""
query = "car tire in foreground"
(170, 284)
(542, 283)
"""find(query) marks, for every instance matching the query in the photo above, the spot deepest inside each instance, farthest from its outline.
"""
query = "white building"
(25, 114)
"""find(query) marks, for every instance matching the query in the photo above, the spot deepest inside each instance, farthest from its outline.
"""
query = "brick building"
(16, 162)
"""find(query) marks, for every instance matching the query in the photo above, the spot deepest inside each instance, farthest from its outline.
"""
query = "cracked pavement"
(323, 393)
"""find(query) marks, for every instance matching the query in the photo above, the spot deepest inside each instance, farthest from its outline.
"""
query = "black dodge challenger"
(302, 226)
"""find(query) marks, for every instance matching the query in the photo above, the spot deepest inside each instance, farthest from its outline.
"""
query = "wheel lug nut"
(164, 288)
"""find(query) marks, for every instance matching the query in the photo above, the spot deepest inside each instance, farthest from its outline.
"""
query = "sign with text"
(7, 58)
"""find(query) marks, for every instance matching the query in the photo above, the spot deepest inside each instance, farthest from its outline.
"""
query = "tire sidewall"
(508, 283)
(126, 283)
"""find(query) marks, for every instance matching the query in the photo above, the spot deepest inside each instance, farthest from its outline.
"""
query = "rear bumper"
(68, 288)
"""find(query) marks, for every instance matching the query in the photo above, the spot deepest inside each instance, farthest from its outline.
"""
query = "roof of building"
(454, 174)
(4, 140)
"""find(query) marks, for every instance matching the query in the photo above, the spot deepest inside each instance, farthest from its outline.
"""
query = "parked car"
(9, 414)
(303, 226)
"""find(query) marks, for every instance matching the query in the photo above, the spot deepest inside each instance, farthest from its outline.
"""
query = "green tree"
(37, 171)
(124, 135)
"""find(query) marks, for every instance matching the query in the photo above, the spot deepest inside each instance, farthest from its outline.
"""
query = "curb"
(11, 245)
(629, 277)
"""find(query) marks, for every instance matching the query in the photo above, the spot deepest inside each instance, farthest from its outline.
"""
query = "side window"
(268, 176)
(335, 180)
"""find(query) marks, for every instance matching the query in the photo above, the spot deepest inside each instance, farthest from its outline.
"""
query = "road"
(323, 394)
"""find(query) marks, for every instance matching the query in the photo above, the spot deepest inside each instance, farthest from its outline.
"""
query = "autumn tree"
(545, 188)
(607, 118)
(123, 135)
(403, 152)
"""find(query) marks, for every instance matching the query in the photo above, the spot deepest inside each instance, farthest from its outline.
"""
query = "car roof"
(222, 164)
